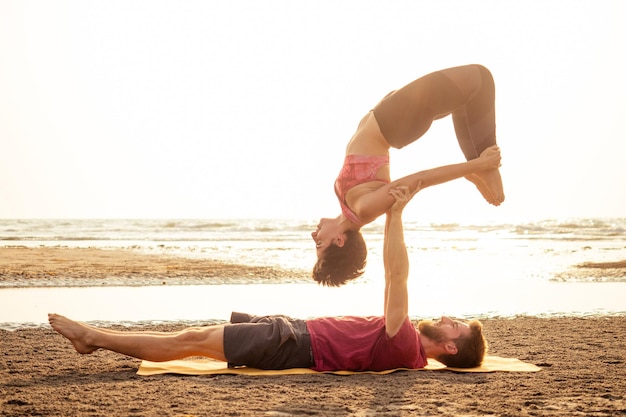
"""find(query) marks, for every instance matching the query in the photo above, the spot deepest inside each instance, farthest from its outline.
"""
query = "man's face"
(444, 329)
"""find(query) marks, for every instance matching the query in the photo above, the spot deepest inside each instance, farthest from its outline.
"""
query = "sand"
(62, 266)
(583, 363)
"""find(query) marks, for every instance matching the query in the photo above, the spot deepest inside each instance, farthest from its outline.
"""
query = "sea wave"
(548, 249)
(32, 228)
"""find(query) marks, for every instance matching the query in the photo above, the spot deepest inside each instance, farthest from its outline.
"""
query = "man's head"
(340, 256)
(454, 343)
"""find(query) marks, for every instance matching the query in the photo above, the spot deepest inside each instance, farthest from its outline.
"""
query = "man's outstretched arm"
(396, 263)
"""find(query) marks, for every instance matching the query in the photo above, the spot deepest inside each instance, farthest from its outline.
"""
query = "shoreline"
(22, 267)
(61, 266)
(583, 363)
(34, 281)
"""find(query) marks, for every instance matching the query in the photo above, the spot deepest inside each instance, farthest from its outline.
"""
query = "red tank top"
(361, 344)
(357, 169)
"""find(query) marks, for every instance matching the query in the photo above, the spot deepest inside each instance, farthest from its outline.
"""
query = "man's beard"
(428, 329)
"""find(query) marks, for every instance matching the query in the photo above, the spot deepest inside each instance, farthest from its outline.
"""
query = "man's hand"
(403, 195)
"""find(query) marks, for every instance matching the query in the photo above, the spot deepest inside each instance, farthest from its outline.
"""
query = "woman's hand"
(491, 157)
(402, 194)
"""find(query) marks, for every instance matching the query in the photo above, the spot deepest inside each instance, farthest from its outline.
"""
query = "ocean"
(488, 269)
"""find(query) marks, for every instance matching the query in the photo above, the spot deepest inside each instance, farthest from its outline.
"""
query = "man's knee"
(200, 335)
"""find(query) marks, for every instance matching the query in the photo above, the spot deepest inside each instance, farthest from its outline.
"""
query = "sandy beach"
(62, 266)
(583, 361)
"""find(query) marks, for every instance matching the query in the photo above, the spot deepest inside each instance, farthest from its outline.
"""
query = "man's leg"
(153, 346)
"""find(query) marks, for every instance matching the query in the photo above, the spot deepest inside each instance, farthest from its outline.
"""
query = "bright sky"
(243, 108)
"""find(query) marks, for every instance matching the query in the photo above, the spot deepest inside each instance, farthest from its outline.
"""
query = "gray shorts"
(267, 342)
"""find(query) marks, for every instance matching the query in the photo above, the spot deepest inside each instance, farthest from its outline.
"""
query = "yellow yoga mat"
(213, 367)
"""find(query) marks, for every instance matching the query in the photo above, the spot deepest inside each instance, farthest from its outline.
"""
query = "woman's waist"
(368, 139)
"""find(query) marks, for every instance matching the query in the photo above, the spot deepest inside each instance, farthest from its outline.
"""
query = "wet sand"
(583, 362)
(61, 266)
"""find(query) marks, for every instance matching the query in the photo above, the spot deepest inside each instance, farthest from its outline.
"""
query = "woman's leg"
(153, 346)
(474, 121)
(468, 94)
(475, 124)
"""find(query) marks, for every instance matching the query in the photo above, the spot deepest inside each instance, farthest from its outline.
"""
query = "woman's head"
(339, 263)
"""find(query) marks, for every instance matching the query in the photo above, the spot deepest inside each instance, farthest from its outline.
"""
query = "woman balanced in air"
(403, 116)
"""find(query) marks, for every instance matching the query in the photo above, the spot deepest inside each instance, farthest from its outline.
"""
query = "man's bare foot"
(489, 183)
(76, 332)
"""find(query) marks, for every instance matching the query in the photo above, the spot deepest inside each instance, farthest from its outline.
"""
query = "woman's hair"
(338, 265)
(470, 350)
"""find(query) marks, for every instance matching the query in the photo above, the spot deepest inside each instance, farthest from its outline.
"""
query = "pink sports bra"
(357, 169)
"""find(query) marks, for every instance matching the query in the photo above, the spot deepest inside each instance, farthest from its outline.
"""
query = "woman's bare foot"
(76, 332)
(489, 183)
(482, 187)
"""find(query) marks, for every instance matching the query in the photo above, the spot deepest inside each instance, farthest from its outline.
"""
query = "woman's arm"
(375, 203)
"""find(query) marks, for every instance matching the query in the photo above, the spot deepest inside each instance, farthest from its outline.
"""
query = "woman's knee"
(485, 76)
(475, 83)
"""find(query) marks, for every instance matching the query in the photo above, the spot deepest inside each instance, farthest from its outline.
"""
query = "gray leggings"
(467, 92)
